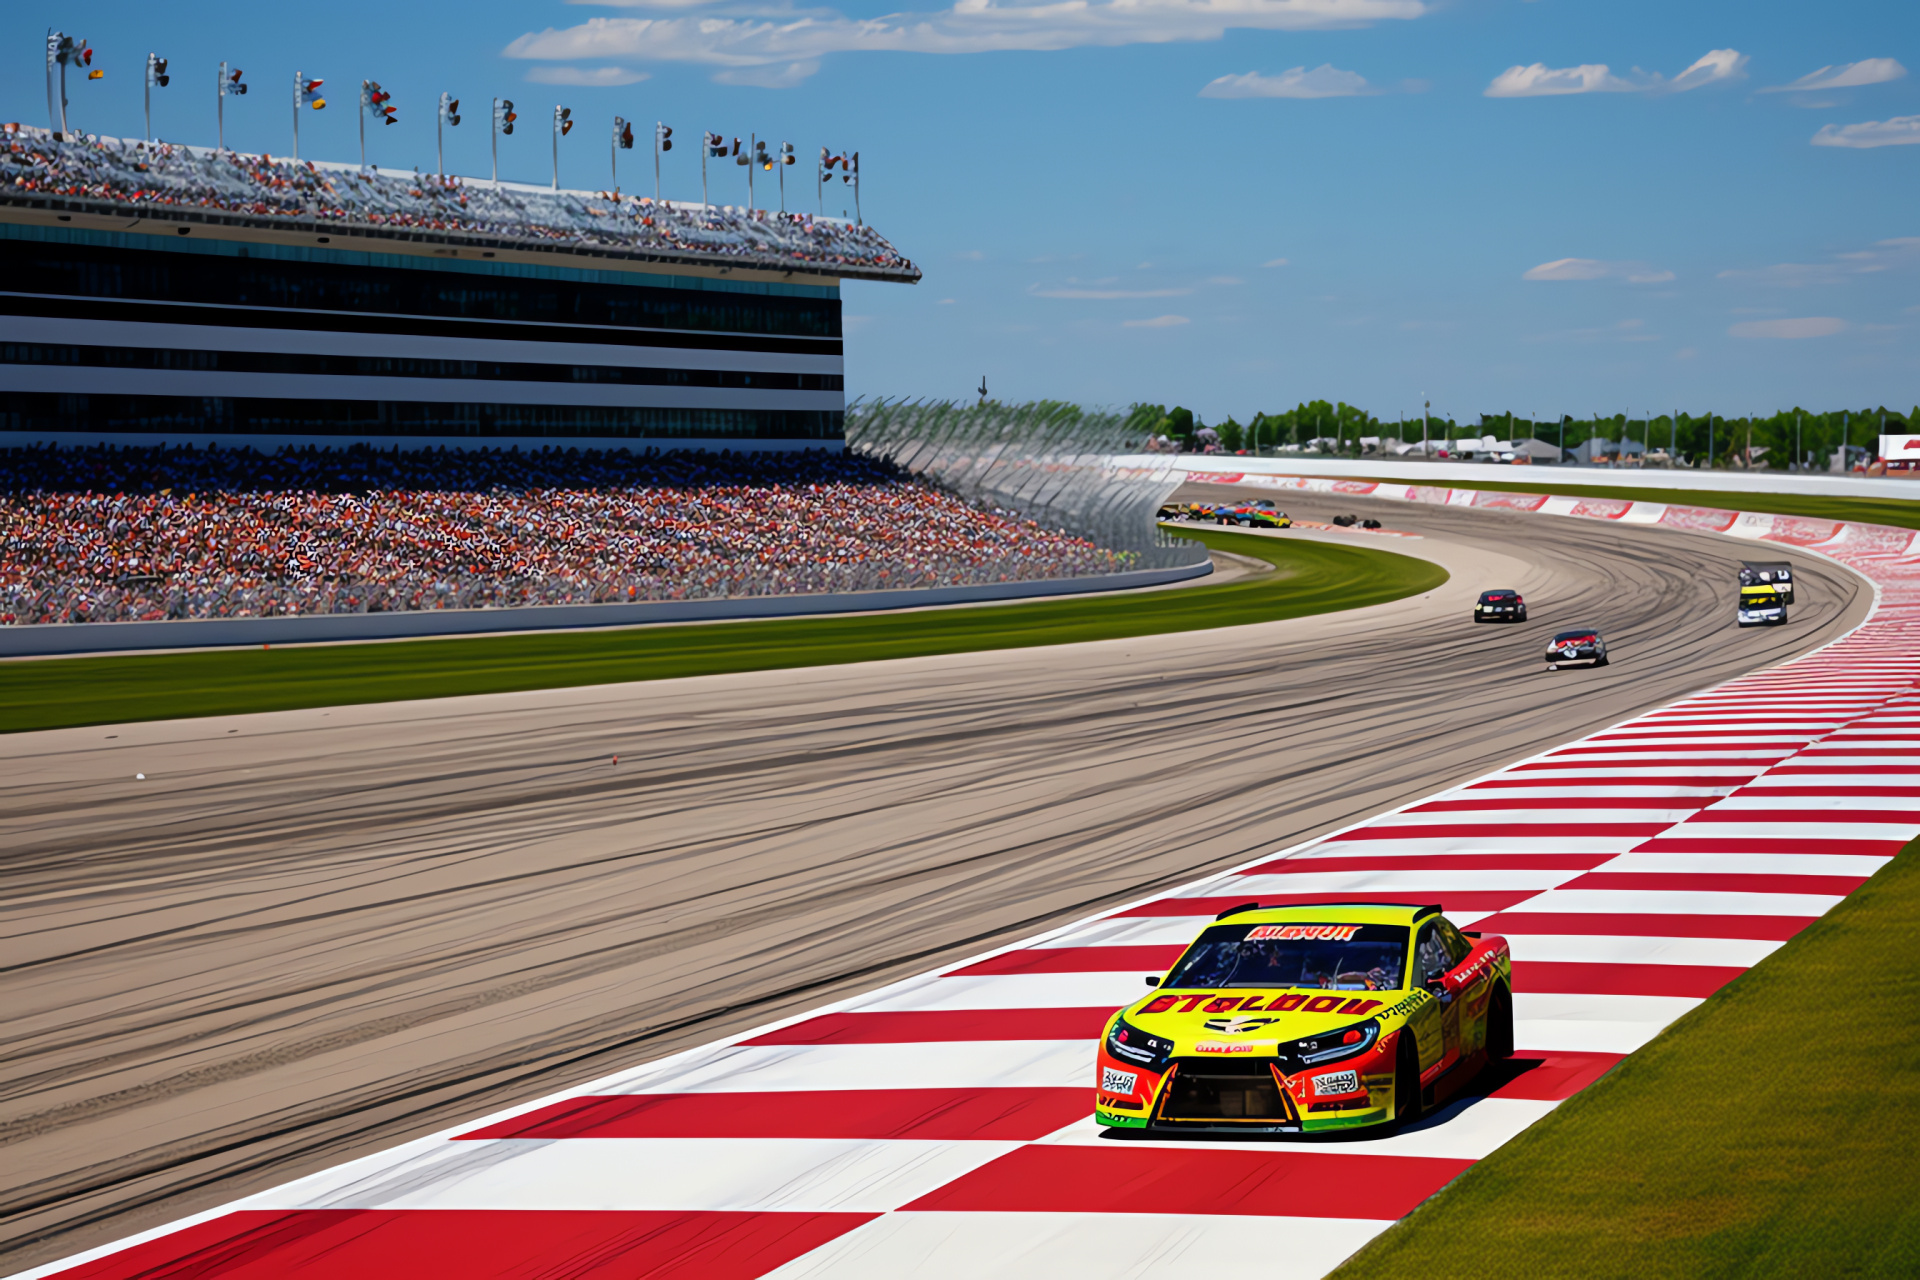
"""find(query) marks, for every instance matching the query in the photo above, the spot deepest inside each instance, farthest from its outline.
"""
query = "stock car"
(1500, 605)
(1305, 1019)
(1257, 514)
(1762, 606)
(1582, 644)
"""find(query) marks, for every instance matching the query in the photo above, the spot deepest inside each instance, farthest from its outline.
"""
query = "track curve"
(311, 934)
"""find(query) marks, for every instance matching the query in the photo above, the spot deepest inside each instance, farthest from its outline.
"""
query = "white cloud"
(1799, 327)
(1884, 255)
(946, 302)
(1324, 81)
(1542, 81)
(1158, 322)
(1716, 66)
(769, 77)
(1848, 75)
(587, 77)
(1225, 280)
(1897, 132)
(970, 26)
(1595, 269)
(1274, 262)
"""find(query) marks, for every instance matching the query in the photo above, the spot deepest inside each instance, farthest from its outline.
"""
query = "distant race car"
(1171, 511)
(1304, 1019)
(1761, 607)
(1258, 514)
(1500, 605)
(1777, 574)
(1581, 645)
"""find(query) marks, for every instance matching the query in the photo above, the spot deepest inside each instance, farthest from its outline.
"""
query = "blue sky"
(1541, 206)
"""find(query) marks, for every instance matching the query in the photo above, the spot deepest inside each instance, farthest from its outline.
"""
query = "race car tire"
(1522, 617)
(1500, 1025)
(1600, 661)
(1406, 1082)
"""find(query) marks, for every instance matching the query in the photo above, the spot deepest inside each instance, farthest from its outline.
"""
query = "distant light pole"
(714, 145)
(753, 158)
(445, 115)
(785, 156)
(1799, 458)
(503, 118)
(65, 51)
(562, 126)
(622, 141)
(1426, 408)
(662, 141)
(156, 78)
(230, 86)
(306, 93)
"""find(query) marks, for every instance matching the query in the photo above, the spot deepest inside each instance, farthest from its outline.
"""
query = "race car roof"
(1333, 912)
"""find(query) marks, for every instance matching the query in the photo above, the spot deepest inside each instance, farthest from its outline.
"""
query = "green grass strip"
(1309, 577)
(1770, 1132)
(1901, 513)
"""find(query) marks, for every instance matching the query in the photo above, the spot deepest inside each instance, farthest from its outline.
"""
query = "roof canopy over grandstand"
(172, 183)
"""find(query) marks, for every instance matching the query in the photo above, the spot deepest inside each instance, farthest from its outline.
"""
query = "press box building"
(158, 293)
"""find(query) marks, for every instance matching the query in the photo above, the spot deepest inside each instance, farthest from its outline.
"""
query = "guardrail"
(1447, 474)
(57, 639)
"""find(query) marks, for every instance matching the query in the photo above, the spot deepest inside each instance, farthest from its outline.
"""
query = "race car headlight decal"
(1343, 1042)
(1131, 1044)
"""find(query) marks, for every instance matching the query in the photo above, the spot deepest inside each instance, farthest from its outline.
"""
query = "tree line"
(1793, 435)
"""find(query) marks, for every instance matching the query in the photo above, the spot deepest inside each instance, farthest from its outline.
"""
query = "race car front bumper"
(1247, 1095)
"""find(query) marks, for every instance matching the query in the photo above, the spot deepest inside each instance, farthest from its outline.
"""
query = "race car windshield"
(1333, 956)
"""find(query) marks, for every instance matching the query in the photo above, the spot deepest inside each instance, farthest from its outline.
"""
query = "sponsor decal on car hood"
(1211, 1021)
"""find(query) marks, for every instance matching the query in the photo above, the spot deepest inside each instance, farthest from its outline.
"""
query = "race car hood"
(1257, 1019)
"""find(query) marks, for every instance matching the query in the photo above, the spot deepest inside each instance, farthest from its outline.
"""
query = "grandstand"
(166, 293)
(107, 534)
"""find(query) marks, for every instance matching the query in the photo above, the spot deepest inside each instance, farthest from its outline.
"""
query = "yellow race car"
(1303, 1019)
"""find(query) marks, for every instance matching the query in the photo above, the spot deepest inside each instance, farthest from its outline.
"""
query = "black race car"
(1500, 605)
(1583, 644)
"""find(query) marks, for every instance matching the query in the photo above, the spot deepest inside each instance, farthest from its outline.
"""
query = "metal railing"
(1053, 463)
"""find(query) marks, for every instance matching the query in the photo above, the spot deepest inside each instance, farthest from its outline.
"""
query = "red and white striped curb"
(941, 1126)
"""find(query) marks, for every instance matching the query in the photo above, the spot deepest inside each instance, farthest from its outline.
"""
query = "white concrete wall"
(201, 633)
(1547, 478)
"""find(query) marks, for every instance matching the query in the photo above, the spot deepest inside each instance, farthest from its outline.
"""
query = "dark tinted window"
(1329, 955)
(96, 272)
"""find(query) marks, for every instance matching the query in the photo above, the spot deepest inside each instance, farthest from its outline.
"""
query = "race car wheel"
(1522, 617)
(1500, 1025)
(1406, 1081)
(1600, 661)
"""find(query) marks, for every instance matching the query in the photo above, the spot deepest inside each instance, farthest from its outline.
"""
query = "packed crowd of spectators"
(131, 173)
(111, 534)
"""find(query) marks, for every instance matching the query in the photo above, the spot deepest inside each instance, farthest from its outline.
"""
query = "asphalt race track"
(308, 935)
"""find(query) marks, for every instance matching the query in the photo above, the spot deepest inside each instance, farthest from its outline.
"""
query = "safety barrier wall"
(1731, 483)
(194, 633)
(1825, 536)
(1057, 464)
